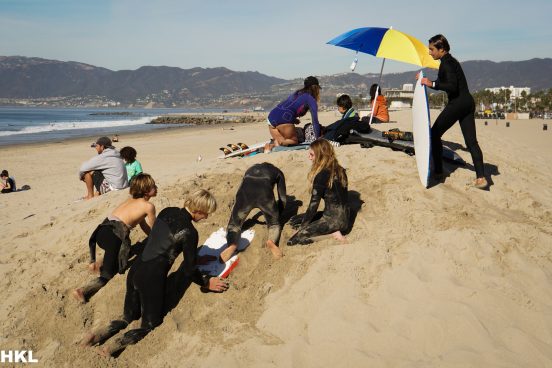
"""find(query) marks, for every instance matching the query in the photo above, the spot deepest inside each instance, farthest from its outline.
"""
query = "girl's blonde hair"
(201, 201)
(140, 185)
(324, 158)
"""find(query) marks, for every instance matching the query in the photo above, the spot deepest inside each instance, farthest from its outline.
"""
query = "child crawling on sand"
(146, 295)
(112, 235)
(257, 191)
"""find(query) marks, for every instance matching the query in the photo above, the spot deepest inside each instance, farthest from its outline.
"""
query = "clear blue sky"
(282, 38)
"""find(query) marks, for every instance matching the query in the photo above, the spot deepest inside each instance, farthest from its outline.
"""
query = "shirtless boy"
(112, 235)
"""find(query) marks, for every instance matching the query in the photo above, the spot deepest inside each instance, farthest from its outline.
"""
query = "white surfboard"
(250, 149)
(422, 131)
(214, 245)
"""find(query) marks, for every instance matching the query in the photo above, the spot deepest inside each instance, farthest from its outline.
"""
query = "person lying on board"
(173, 233)
(257, 191)
(329, 182)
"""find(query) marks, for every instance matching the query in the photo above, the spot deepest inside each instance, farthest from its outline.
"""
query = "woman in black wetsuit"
(329, 182)
(460, 107)
(173, 233)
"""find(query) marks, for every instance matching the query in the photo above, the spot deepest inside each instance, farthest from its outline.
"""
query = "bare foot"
(339, 237)
(104, 351)
(268, 147)
(78, 295)
(480, 183)
(88, 340)
(95, 267)
(86, 197)
(228, 253)
(274, 249)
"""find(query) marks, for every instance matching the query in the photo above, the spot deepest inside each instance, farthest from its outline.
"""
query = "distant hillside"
(22, 77)
(36, 78)
(481, 74)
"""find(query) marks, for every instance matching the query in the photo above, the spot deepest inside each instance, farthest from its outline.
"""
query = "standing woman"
(329, 182)
(460, 107)
(282, 118)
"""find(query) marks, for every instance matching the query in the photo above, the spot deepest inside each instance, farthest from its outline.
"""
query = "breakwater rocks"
(207, 119)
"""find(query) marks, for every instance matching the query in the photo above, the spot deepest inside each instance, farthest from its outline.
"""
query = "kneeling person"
(257, 191)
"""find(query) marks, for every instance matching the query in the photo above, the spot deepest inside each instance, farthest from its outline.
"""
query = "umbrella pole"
(377, 93)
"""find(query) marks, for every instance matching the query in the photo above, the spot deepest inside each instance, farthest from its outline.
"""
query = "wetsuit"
(256, 191)
(336, 210)
(172, 233)
(296, 105)
(112, 235)
(461, 106)
(11, 183)
(340, 130)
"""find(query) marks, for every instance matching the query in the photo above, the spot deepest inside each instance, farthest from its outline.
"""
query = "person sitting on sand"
(115, 138)
(257, 191)
(380, 114)
(105, 172)
(132, 165)
(339, 131)
(173, 233)
(7, 184)
(112, 235)
(329, 182)
(282, 119)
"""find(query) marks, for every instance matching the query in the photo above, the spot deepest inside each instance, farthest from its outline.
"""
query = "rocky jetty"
(207, 119)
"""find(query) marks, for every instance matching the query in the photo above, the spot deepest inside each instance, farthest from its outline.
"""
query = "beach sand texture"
(449, 276)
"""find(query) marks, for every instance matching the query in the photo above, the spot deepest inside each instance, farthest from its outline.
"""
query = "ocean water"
(28, 125)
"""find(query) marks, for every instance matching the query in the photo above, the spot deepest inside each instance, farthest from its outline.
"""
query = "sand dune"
(449, 276)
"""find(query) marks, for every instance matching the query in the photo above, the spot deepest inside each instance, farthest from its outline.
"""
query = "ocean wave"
(74, 125)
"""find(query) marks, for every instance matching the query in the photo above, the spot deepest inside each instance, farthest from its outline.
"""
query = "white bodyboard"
(422, 131)
(214, 245)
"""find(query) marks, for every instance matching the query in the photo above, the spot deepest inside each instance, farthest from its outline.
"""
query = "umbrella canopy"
(387, 43)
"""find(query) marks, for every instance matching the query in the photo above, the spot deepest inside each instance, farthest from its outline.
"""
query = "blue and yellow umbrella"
(387, 43)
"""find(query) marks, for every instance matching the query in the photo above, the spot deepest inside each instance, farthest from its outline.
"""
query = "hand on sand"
(88, 340)
(94, 267)
(217, 285)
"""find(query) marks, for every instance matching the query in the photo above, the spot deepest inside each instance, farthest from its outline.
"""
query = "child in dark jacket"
(339, 130)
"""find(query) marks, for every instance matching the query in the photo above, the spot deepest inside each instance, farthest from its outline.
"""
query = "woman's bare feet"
(104, 351)
(274, 249)
(78, 295)
(268, 147)
(226, 254)
(340, 237)
(480, 183)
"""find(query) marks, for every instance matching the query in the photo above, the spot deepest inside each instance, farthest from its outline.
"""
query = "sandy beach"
(449, 276)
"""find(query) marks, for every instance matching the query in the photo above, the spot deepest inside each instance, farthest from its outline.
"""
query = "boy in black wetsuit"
(329, 182)
(257, 191)
(173, 232)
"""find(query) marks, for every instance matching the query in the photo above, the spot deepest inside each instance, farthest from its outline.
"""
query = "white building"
(515, 92)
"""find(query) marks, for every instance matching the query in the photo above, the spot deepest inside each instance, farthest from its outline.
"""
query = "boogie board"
(422, 130)
(246, 151)
(214, 245)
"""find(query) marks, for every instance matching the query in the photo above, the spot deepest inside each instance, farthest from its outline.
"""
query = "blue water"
(28, 125)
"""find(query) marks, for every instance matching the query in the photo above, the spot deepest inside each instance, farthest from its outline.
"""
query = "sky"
(285, 39)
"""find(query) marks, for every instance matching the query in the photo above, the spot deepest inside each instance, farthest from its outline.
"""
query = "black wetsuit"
(113, 237)
(172, 233)
(460, 107)
(336, 210)
(11, 188)
(257, 191)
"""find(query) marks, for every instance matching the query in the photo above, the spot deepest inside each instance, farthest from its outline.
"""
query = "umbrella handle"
(377, 92)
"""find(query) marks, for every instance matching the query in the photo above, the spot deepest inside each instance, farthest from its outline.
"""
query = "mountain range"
(37, 78)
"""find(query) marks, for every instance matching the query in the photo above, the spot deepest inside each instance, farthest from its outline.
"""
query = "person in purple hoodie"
(283, 118)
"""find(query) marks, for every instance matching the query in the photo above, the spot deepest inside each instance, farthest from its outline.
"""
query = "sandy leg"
(78, 295)
(274, 249)
(228, 253)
